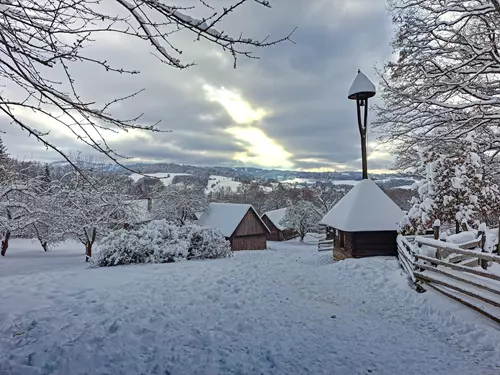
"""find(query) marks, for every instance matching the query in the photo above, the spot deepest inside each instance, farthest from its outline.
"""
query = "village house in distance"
(365, 222)
(239, 223)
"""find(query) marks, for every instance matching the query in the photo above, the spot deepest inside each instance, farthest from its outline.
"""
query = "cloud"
(287, 109)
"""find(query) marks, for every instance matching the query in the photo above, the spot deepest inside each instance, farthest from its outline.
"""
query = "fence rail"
(326, 245)
(465, 282)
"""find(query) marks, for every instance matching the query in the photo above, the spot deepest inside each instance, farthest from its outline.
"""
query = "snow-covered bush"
(208, 243)
(160, 242)
(156, 242)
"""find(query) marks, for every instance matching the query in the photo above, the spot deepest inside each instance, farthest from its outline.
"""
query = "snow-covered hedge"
(160, 242)
(207, 243)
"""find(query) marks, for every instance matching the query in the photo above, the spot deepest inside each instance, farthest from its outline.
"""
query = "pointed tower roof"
(364, 208)
(361, 86)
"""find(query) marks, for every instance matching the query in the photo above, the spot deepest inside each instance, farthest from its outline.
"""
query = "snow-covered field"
(217, 182)
(214, 182)
(309, 181)
(289, 310)
(166, 178)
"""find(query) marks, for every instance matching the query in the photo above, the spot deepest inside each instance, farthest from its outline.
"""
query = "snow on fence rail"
(326, 245)
(406, 256)
(454, 270)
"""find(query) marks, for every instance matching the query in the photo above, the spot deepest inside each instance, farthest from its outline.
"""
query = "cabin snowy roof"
(364, 208)
(225, 217)
(275, 216)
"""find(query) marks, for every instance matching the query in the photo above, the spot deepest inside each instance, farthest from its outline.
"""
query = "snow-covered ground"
(310, 181)
(166, 178)
(214, 182)
(217, 182)
(288, 310)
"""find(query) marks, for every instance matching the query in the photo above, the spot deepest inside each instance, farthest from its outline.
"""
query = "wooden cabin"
(365, 222)
(272, 219)
(239, 223)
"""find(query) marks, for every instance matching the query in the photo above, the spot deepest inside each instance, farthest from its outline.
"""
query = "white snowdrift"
(285, 311)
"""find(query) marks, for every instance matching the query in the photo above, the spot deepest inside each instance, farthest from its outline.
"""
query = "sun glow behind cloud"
(260, 149)
(240, 110)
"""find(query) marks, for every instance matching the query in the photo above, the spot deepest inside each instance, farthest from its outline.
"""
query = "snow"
(361, 84)
(27, 257)
(462, 237)
(217, 181)
(289, 310)
(309, 181)
(276, 216)
(161, 175)
(364, 208)
(225, 216)
(221, 182)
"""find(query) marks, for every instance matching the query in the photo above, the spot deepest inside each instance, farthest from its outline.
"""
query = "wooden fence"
(454, 271)
(326, 245)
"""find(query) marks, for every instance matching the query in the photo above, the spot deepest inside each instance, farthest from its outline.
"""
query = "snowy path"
(286, 311)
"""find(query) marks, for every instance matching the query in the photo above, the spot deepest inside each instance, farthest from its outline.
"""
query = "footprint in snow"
(114, 327)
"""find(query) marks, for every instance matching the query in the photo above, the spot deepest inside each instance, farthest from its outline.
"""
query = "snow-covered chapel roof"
(226, 217)
(364, 208)
(275, 216)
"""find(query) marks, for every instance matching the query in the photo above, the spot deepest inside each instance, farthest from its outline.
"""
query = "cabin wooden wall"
(367, 244)
(250, 225)
(252, 242)
(343, 245)
(288, 234)
(250, 234)
(275, 234)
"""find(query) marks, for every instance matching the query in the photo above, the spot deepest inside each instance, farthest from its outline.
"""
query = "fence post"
(437, 224)
(482, 233)
(464, 226)
(498, 238)
(438, 236)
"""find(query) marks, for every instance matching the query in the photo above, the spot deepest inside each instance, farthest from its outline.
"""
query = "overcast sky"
(286, 110)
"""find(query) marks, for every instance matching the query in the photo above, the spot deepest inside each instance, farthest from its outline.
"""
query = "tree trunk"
(302, 237)
(88, 251)
(44, 244)
(90, 243)
(5, 243)
(457, 226)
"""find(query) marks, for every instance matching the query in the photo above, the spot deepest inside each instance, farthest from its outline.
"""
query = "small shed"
(239, 223)
(278, 232)
(365, 222)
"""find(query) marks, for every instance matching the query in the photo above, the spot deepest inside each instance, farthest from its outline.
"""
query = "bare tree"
(40, 40)
(326, 196)
(94, 204)
(179, 202)
(19, 206)
(301, 217)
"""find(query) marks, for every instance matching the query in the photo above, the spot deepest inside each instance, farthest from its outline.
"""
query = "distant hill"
(248, 174)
